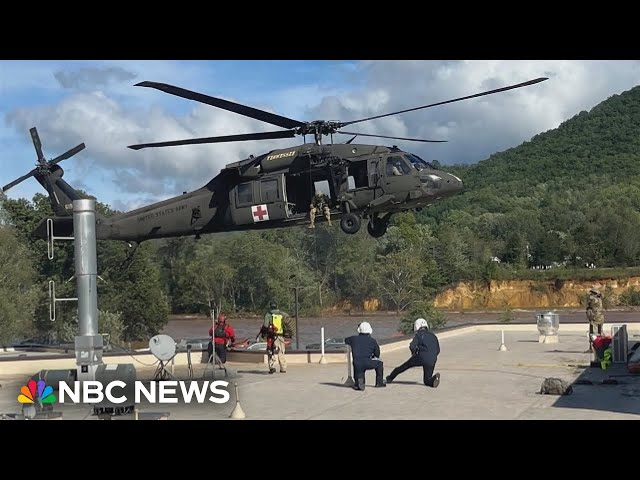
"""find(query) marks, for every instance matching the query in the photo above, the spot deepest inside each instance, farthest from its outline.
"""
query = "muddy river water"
(384, 325)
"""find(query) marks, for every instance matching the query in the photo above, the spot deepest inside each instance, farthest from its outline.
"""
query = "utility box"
(124, 372)
(619, 343)
(548, 324)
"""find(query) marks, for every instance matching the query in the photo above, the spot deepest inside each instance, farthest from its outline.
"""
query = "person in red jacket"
(223, 337)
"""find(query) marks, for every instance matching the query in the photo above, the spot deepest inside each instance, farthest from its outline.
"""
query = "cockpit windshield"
(418, 163)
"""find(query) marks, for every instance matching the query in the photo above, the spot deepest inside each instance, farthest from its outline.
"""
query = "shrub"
(425, 310)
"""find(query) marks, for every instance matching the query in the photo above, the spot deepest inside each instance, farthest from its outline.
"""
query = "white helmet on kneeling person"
(420, 323)
(365, 327)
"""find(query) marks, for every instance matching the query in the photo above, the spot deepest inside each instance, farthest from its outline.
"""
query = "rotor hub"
(319, 127)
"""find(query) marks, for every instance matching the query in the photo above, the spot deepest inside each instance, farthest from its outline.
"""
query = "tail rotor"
(44, 168)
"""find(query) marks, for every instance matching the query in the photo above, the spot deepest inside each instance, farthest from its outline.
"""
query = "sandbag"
(555, 386)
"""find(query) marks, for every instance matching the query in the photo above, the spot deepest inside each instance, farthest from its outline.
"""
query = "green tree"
(399, 278)
(18, 294)
(426, 310)
(135, 291)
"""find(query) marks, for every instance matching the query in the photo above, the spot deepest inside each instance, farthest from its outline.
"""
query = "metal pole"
(84, 227)
(323, 360)
(88, 343)
(349, 382)
(297, 331)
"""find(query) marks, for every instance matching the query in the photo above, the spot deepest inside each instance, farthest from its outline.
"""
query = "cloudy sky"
(96, 102)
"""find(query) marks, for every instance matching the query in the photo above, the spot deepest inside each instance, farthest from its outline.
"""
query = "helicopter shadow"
(566, 351)
(256, 372)
(336, 384)
(404, 382)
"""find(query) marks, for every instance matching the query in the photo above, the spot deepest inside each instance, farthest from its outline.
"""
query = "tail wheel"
(350, 223)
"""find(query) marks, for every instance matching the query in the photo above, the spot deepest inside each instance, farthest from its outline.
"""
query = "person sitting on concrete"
(425, 349)
(366, 356)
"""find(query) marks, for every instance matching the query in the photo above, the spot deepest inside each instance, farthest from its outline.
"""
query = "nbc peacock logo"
(44, 391)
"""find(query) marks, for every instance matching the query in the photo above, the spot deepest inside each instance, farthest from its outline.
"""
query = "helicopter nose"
(452, 184)
(456, 183)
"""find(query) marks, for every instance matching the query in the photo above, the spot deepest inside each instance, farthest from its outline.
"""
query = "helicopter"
(271, 190)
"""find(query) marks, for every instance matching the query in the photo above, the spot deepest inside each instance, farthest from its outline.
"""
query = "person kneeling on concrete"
(425, 349)
(366, 356)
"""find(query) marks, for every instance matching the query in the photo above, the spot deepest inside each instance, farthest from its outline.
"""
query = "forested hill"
(602, 142)
(569, 192)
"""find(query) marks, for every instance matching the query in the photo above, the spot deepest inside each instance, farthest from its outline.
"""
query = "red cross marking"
(259, 212)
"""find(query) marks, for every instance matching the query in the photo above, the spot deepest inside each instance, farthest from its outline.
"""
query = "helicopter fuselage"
(275, 190)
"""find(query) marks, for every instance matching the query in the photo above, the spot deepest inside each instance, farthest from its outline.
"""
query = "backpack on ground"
(555, 386)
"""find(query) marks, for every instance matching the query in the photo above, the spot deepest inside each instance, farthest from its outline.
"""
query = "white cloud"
(107, 127)
(475, 128)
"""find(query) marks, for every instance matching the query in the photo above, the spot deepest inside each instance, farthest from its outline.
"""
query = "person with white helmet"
(366, 356)
(425, 349)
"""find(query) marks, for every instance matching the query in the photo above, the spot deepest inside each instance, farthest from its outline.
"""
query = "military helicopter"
(272, 190)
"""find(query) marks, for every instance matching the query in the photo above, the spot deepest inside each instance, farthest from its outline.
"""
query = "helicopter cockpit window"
(397, 166)
(431, 181)
(245, 193)
(418, 163)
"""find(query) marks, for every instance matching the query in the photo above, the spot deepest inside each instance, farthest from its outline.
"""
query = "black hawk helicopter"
(272, 190)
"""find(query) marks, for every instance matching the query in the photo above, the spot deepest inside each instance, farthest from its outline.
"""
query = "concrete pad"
(477, 382)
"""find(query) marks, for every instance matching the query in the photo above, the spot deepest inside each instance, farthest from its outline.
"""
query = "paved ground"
(478, 382)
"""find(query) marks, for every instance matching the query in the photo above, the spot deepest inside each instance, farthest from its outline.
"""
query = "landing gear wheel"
(377, 229)
(350, 223)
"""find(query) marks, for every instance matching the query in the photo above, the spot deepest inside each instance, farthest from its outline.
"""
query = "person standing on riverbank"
(595, 314)
(275, 328)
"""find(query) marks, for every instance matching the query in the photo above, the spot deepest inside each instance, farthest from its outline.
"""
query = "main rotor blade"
(68, 154)
(394, 138)
(251, 112)
(503, 89)
(229, 138)
(18, 180)
(36, 143)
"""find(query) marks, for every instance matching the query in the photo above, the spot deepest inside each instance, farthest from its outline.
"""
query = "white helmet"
(365, 327)
(420, 323)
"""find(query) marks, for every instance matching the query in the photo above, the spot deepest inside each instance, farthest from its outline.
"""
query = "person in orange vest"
(222, 336)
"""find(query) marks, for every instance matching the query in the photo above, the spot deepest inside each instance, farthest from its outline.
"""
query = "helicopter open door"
(260, 200)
